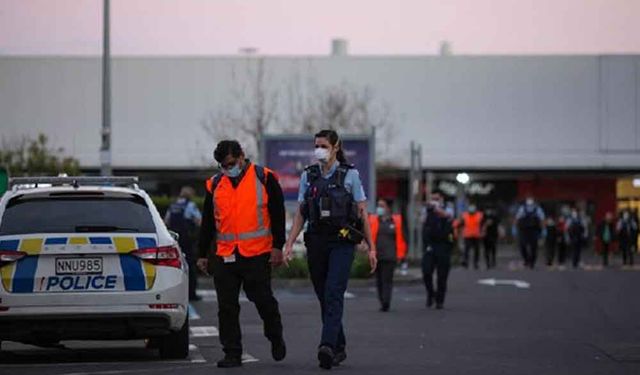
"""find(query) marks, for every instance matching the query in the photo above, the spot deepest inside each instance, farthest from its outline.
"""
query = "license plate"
(78, 266)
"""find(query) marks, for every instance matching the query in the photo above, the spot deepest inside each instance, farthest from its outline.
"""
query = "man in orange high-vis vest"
(241, 238)
(472, 232)
(386, 231)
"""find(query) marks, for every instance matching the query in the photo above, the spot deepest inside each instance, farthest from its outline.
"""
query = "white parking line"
(248, 358)
(204, 331)
(195, 355)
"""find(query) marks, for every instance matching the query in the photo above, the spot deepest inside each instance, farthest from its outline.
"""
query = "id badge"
(230, 259)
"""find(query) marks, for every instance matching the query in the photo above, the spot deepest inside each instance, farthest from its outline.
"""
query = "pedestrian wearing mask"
(437, 237)
(387, 234)
(529, 219)
(626, 230)
(577, 235)
(334, 206)
(472, 231)
(241, 238)
(606, 233)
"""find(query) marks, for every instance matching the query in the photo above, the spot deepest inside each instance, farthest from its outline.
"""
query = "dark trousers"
(551, 252)
(576, 248)
(605, 254)
(471, 243)
(329, 267)
(253, 274)
(438, 259)
(490, 247)
(529, 248)
(627, 253)
(562, 252)
(384, 281)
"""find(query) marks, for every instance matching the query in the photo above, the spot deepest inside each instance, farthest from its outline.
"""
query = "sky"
(306, 27)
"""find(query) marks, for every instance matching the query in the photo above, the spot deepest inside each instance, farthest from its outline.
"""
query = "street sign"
(4, 180)
(517, 283)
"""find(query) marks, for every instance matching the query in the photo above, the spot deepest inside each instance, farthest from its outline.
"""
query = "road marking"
(195, 355)
(204, 331)
(349, 295)
(193, 314)
(210, 295)
(248, 358)
(517, 283)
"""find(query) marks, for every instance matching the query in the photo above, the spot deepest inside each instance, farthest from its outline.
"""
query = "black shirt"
(275, 207)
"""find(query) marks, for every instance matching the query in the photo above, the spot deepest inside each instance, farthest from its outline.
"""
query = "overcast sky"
(299, 27)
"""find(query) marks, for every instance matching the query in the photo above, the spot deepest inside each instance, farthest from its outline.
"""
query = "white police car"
(89, 259)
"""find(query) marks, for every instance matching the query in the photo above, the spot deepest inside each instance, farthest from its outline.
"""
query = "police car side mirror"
(175, 235)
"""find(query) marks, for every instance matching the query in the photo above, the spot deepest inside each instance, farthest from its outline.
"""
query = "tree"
(33, 157)
(250, 113)
(255, 109)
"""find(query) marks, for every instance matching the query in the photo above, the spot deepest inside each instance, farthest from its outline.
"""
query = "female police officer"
(333, 203)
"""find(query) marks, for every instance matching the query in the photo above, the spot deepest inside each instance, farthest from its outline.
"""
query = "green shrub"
(360, 269)
(297, 269)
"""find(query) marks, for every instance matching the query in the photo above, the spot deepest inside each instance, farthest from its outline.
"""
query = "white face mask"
(321, 154)
(381, 211)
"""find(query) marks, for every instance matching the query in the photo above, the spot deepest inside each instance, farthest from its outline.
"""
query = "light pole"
(105, 147)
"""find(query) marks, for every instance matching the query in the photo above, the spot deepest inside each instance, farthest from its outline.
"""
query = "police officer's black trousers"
(471, 243)
(577, 253)
(187, 249)
(627, 253)
(329, 267)
(253, 274)
(438, 259)
(384, 281)
(490, 247)
(529, 248)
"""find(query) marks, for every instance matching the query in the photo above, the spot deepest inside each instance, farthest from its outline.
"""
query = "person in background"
(387, 234)
(606, 233)
(490, 237)
(626, 230)
(472, 232)
(576, 236)
(183, 217)
(529, 219)
(636, 229)
(561, 228)
(551, 240)
(437, 238)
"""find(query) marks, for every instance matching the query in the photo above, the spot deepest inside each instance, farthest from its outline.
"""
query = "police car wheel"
(176, 344)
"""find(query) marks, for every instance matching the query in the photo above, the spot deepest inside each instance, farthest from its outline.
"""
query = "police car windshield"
(24, 215)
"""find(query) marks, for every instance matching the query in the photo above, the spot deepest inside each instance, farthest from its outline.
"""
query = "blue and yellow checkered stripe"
(19, 277)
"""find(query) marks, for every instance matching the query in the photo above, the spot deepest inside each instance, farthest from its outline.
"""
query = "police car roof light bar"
(74, 181)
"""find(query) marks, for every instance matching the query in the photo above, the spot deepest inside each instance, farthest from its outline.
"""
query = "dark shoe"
(278, 350)
(439, 306)
(339, 358)
(384, 307)
(326, 357)
(429, 302)
(230, 361)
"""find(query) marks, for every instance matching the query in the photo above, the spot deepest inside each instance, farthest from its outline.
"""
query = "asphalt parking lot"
(495, 322)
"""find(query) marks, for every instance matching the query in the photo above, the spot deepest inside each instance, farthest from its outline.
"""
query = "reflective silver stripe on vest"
(261, 232)
(259, 200)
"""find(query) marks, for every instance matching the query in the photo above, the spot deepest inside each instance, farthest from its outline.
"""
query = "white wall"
(467, 112)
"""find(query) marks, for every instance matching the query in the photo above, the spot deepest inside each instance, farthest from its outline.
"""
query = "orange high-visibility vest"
(401, 245)
(472, 224)
(241, 215)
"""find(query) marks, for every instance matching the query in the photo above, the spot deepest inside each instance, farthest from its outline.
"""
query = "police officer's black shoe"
(230, 361)
(429, 302)
(384, 307)
(278, 350)
(340, 357)
(326, 357)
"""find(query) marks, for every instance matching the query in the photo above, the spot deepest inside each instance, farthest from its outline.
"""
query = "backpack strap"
(341, 173)
(215, 180)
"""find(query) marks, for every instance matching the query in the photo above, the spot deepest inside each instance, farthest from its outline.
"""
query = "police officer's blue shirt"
(352, 183)
(191, 211)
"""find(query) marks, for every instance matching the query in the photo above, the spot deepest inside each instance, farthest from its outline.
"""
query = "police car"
(86, 258)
